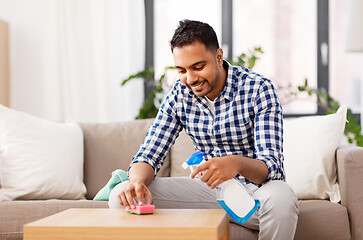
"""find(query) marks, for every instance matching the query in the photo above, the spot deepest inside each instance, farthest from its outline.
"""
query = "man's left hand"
(219, 169)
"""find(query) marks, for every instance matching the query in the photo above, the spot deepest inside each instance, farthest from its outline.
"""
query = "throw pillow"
(118, 176)
(39, 159)
(309, 145)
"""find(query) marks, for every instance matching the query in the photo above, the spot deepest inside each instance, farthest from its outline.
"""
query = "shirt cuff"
(138, 160)
(274, 171)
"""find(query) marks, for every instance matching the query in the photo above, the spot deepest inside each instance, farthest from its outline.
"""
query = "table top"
(103, 217)
(117, 224)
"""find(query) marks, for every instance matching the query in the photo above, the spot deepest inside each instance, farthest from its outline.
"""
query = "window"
(293, 36)
(287, 33)
(346, 73)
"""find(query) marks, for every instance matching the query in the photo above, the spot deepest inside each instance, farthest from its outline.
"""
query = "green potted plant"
(324, 100)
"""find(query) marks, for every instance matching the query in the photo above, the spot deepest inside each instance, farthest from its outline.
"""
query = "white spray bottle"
(231, 195)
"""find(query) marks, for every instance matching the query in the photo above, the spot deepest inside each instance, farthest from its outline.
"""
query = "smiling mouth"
(197, 86)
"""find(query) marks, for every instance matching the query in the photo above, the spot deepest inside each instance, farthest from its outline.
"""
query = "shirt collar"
(228, 90)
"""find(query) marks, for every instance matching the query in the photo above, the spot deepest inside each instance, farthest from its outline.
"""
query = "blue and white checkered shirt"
(247, 122)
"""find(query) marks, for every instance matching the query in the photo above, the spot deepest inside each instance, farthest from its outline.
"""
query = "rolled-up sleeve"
(161, 135)
(269, 130)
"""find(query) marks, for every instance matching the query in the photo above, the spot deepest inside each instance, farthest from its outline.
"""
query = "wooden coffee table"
(103, 223)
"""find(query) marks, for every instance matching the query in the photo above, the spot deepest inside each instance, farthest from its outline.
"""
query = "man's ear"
(220, 57)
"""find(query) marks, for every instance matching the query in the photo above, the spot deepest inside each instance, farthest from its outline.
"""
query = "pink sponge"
(142, 209)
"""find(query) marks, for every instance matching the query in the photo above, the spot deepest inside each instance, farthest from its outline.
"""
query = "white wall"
(76, 75)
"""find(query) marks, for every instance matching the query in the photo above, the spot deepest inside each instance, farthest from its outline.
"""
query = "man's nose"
(191, 78)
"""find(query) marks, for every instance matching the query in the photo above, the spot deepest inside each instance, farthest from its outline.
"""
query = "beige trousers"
(276, 217)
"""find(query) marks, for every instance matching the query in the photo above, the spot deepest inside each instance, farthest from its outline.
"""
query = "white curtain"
(84, 49)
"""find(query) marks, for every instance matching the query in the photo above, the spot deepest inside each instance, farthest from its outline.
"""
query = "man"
(231, 114)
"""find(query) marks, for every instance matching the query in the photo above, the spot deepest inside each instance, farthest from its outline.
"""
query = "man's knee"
(279, 199)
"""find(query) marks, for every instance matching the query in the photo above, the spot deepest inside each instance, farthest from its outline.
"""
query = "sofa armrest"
(350, 177)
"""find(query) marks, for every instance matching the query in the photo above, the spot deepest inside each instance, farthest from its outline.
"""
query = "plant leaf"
(147, 73)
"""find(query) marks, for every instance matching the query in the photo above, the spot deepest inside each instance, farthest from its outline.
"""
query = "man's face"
(200, 69)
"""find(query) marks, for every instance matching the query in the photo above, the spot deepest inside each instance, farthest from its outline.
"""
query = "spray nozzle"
(194, 159)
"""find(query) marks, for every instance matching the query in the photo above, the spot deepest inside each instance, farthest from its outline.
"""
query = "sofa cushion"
(39, 159)
(321, 219)
(310, 144)
(14, 214)
(236, 232)
(111, 146)
(11, 236)
(318, 219)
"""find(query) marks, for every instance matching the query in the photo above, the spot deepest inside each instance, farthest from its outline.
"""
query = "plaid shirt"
(248, 122)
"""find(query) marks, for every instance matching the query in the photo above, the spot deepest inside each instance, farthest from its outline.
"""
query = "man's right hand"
(140, 175)
(135, 189)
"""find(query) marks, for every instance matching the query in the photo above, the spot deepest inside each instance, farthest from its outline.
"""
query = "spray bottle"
(231, 195)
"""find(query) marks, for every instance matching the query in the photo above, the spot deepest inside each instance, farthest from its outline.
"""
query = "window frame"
(227, 40)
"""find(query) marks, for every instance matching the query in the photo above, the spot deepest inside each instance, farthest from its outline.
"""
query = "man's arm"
(141, 172)
(150, 157)
(140, 175)
(268, 130)
(161, 135)
(253, 169)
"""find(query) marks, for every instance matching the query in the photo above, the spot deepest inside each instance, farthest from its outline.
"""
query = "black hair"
(190, 31)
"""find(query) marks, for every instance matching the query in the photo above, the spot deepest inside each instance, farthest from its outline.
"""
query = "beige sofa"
(111, 146)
